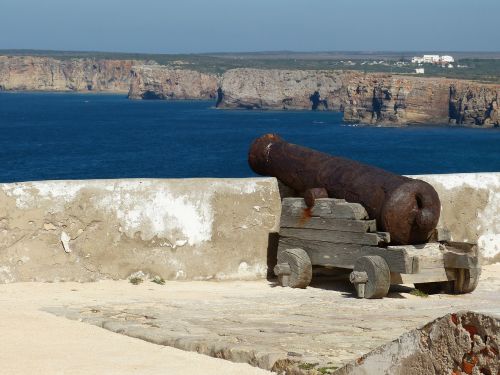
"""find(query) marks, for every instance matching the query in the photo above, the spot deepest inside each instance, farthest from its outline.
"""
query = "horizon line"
(360, 52)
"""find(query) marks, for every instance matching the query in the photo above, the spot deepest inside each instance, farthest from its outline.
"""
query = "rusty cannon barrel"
(406, 208)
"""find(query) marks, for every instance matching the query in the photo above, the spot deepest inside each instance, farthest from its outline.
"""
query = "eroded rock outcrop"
(474, 104)
(160, 82)
(284, 89)
(370, 98)
(458, 344)
(399, 100)
(403, 100)
(28, 73)
(140, 79)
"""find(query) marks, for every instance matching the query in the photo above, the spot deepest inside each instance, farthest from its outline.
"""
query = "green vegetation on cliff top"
(475, 66)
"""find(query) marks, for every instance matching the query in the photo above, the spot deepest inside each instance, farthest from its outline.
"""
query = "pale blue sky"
(161, 26)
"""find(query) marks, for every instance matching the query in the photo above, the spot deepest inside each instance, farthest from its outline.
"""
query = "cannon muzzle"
(406, 208)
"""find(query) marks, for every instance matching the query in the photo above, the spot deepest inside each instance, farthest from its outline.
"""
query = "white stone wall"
(194, 229)
(176, 229)
(470, 208)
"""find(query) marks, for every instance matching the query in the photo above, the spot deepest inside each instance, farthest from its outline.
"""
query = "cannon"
(407, 208)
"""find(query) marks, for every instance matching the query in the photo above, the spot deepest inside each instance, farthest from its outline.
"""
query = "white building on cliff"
(447, 59)
(433, 59)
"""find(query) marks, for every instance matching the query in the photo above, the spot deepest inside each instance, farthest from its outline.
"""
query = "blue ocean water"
(75, 136)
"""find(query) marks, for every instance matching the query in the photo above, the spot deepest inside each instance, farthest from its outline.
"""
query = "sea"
(50, 136)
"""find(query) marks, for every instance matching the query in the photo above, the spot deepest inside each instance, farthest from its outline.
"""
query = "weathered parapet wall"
(177, 229)
(184, 229)
(470, 209)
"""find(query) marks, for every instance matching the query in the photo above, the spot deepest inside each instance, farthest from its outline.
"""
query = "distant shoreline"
(70, 92)
(486, 64)
(374, 98)
(263, 110)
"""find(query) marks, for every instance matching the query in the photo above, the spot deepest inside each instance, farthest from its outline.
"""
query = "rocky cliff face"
(474, 104)
(372, 98)
(48, 74)
(403, 100)
(161, 82)
(137, 78)
(386, 99)
(284, 89)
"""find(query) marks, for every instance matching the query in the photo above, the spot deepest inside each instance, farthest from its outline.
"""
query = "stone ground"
(254, 322)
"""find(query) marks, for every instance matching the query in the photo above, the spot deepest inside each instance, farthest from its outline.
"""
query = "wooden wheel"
(294, 268)
(378, 277)
(467, 280)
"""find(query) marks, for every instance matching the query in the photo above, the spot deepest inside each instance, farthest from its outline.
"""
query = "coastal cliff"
(139, 79)
(160, 82)
(369, 98)
(379, 99)
(284, 89)
(474, 104)
(27, 73)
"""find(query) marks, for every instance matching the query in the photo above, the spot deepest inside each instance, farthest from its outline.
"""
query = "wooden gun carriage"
(318, 230)
(335, 233)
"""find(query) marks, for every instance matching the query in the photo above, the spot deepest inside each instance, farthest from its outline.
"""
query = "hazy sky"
(167, 26)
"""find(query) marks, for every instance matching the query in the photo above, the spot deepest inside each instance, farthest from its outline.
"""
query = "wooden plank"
(344, 255)
(331, 236)
(324, 207)
(327, 207)
(339, 255)
(342, 225)
(435, 262)
(426, 262)
(384, 237)
(457, 260)
(428, 275)
(294, 205)
(462, 247)
(397, 260)
(440, 235)
(437, 255)
(430, 255)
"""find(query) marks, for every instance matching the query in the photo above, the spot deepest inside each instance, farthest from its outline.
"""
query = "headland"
(369, 96)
